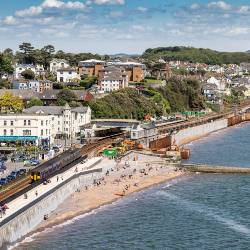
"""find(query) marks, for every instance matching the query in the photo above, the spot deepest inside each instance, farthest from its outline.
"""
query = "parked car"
(3, 143)
(3, 158)
(15, 173)
(59, 145)
(34, 163)
(9, 178)
(3, 167)
(22, 171)
(46, 148)
(12, 144)
(56, 149)
(3, 181)
(140, 87)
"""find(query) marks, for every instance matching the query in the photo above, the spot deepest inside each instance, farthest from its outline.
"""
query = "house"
(91, 67)
(57, 64)
(49, 96)
(65, 120)
(18, 69)
(136, 71)
(144, 133)
(112, 74)
(67, 74)
(243, 90)
(209, 90)
(35, 85)
(220, 82)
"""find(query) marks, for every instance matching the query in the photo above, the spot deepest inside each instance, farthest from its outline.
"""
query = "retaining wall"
(199, 130)
(28, 217)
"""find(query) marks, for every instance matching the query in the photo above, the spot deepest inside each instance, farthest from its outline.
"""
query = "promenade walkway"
(20, 202)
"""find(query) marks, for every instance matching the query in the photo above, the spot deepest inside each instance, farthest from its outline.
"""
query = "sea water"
(206, 211)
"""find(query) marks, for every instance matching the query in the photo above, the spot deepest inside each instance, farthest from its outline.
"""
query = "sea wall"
(199, 130)
(27, 218)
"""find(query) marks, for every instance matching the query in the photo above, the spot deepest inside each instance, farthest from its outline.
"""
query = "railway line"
(11, 189)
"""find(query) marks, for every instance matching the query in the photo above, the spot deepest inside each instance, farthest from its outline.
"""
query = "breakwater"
(24, 219)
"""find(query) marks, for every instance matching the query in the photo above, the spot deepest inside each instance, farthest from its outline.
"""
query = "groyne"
(23, 220)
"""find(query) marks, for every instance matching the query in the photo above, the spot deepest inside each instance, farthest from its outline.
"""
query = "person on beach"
(57, 178)
(123, 192)
(36, 193)
(62, 177)
(25, 196)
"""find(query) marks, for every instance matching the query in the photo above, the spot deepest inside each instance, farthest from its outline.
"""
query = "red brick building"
(90, 67)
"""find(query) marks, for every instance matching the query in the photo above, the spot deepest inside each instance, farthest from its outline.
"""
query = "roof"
(22, 93)
(148, 126)
(67, 69)
(110, 78)
(92, 60)
(54, 110)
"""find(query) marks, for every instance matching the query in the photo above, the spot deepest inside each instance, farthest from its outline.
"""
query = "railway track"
(87, 149)
(15, 188)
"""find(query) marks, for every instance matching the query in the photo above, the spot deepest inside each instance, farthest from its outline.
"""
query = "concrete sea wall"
(27, 218)
(199, 130)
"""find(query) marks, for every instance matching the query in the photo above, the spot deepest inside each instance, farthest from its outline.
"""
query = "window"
(66, 129)
(24, 122)
(54, 63)
(66, 122)
(5, 123)
(11, 123)
(61, 72)
(11, 132)
(58, 129)
(26, 132)
(133, 134)
(41, 123)
(46, 131)
(58, 122)
(4, 132)
(46, 122)
(70, 72)
(29, 122)
(41, 131)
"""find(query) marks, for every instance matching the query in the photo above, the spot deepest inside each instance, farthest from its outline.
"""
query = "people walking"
(57, 178)
(25, 196)
(36, 193)
(62, 177)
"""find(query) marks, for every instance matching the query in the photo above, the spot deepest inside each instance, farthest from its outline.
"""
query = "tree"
(34, 102)
(106, 57)
(61, 102)
(5, 65)
(28, 74)
(27, 48)
(75, 104)
(67, 95)
(10, 101)
(9, 53)
(4, 84)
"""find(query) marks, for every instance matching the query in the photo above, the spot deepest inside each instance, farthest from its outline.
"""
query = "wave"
(226, 220)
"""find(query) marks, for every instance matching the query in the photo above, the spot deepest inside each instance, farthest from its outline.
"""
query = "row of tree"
(192, 55)
(29, 55)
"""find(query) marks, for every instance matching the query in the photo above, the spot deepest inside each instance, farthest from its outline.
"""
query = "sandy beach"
(183, 142)
(96, 196)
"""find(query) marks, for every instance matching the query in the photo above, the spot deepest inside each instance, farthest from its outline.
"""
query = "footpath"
(20, 202)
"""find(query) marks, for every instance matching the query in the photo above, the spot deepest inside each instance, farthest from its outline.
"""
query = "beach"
(92, 197)
(183, 142)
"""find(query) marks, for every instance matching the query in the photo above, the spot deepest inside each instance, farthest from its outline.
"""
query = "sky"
(125, 26)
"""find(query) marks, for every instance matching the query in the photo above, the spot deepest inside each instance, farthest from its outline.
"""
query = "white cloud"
(81, 16)
(177, 33)
(194, 6)
(222, 5)
(10, 20)
(47, 31)
(24, 35)
(62, 34)
(138, 27)
(124, 36)
(114, 14)
(142, 9)
(65, 26)
(149, 28)
(108, 2)
(161, 30)
(52, 3)
(32, 11)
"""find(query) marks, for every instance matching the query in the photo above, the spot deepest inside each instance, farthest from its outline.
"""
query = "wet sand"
(96, 196)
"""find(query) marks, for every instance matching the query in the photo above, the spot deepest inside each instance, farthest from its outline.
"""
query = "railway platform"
(20, 202)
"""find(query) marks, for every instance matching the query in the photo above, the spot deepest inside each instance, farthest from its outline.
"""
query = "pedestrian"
(57, 178)
(62, 178)
(36, 193)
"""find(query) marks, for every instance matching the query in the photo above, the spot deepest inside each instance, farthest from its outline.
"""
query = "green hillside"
(175, 96)
(191, 54)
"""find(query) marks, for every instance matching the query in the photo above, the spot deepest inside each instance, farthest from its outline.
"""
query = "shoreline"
(183, 142)
(86, 201)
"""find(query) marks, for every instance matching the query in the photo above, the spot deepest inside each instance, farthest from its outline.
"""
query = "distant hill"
(191, 54)
(123, 55)
(248, 51)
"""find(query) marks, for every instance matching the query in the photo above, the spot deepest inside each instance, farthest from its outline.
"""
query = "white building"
(66, 120)
(27, 128)
(58, 64)
(111, 83)
(20, 68)
(67, 74)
